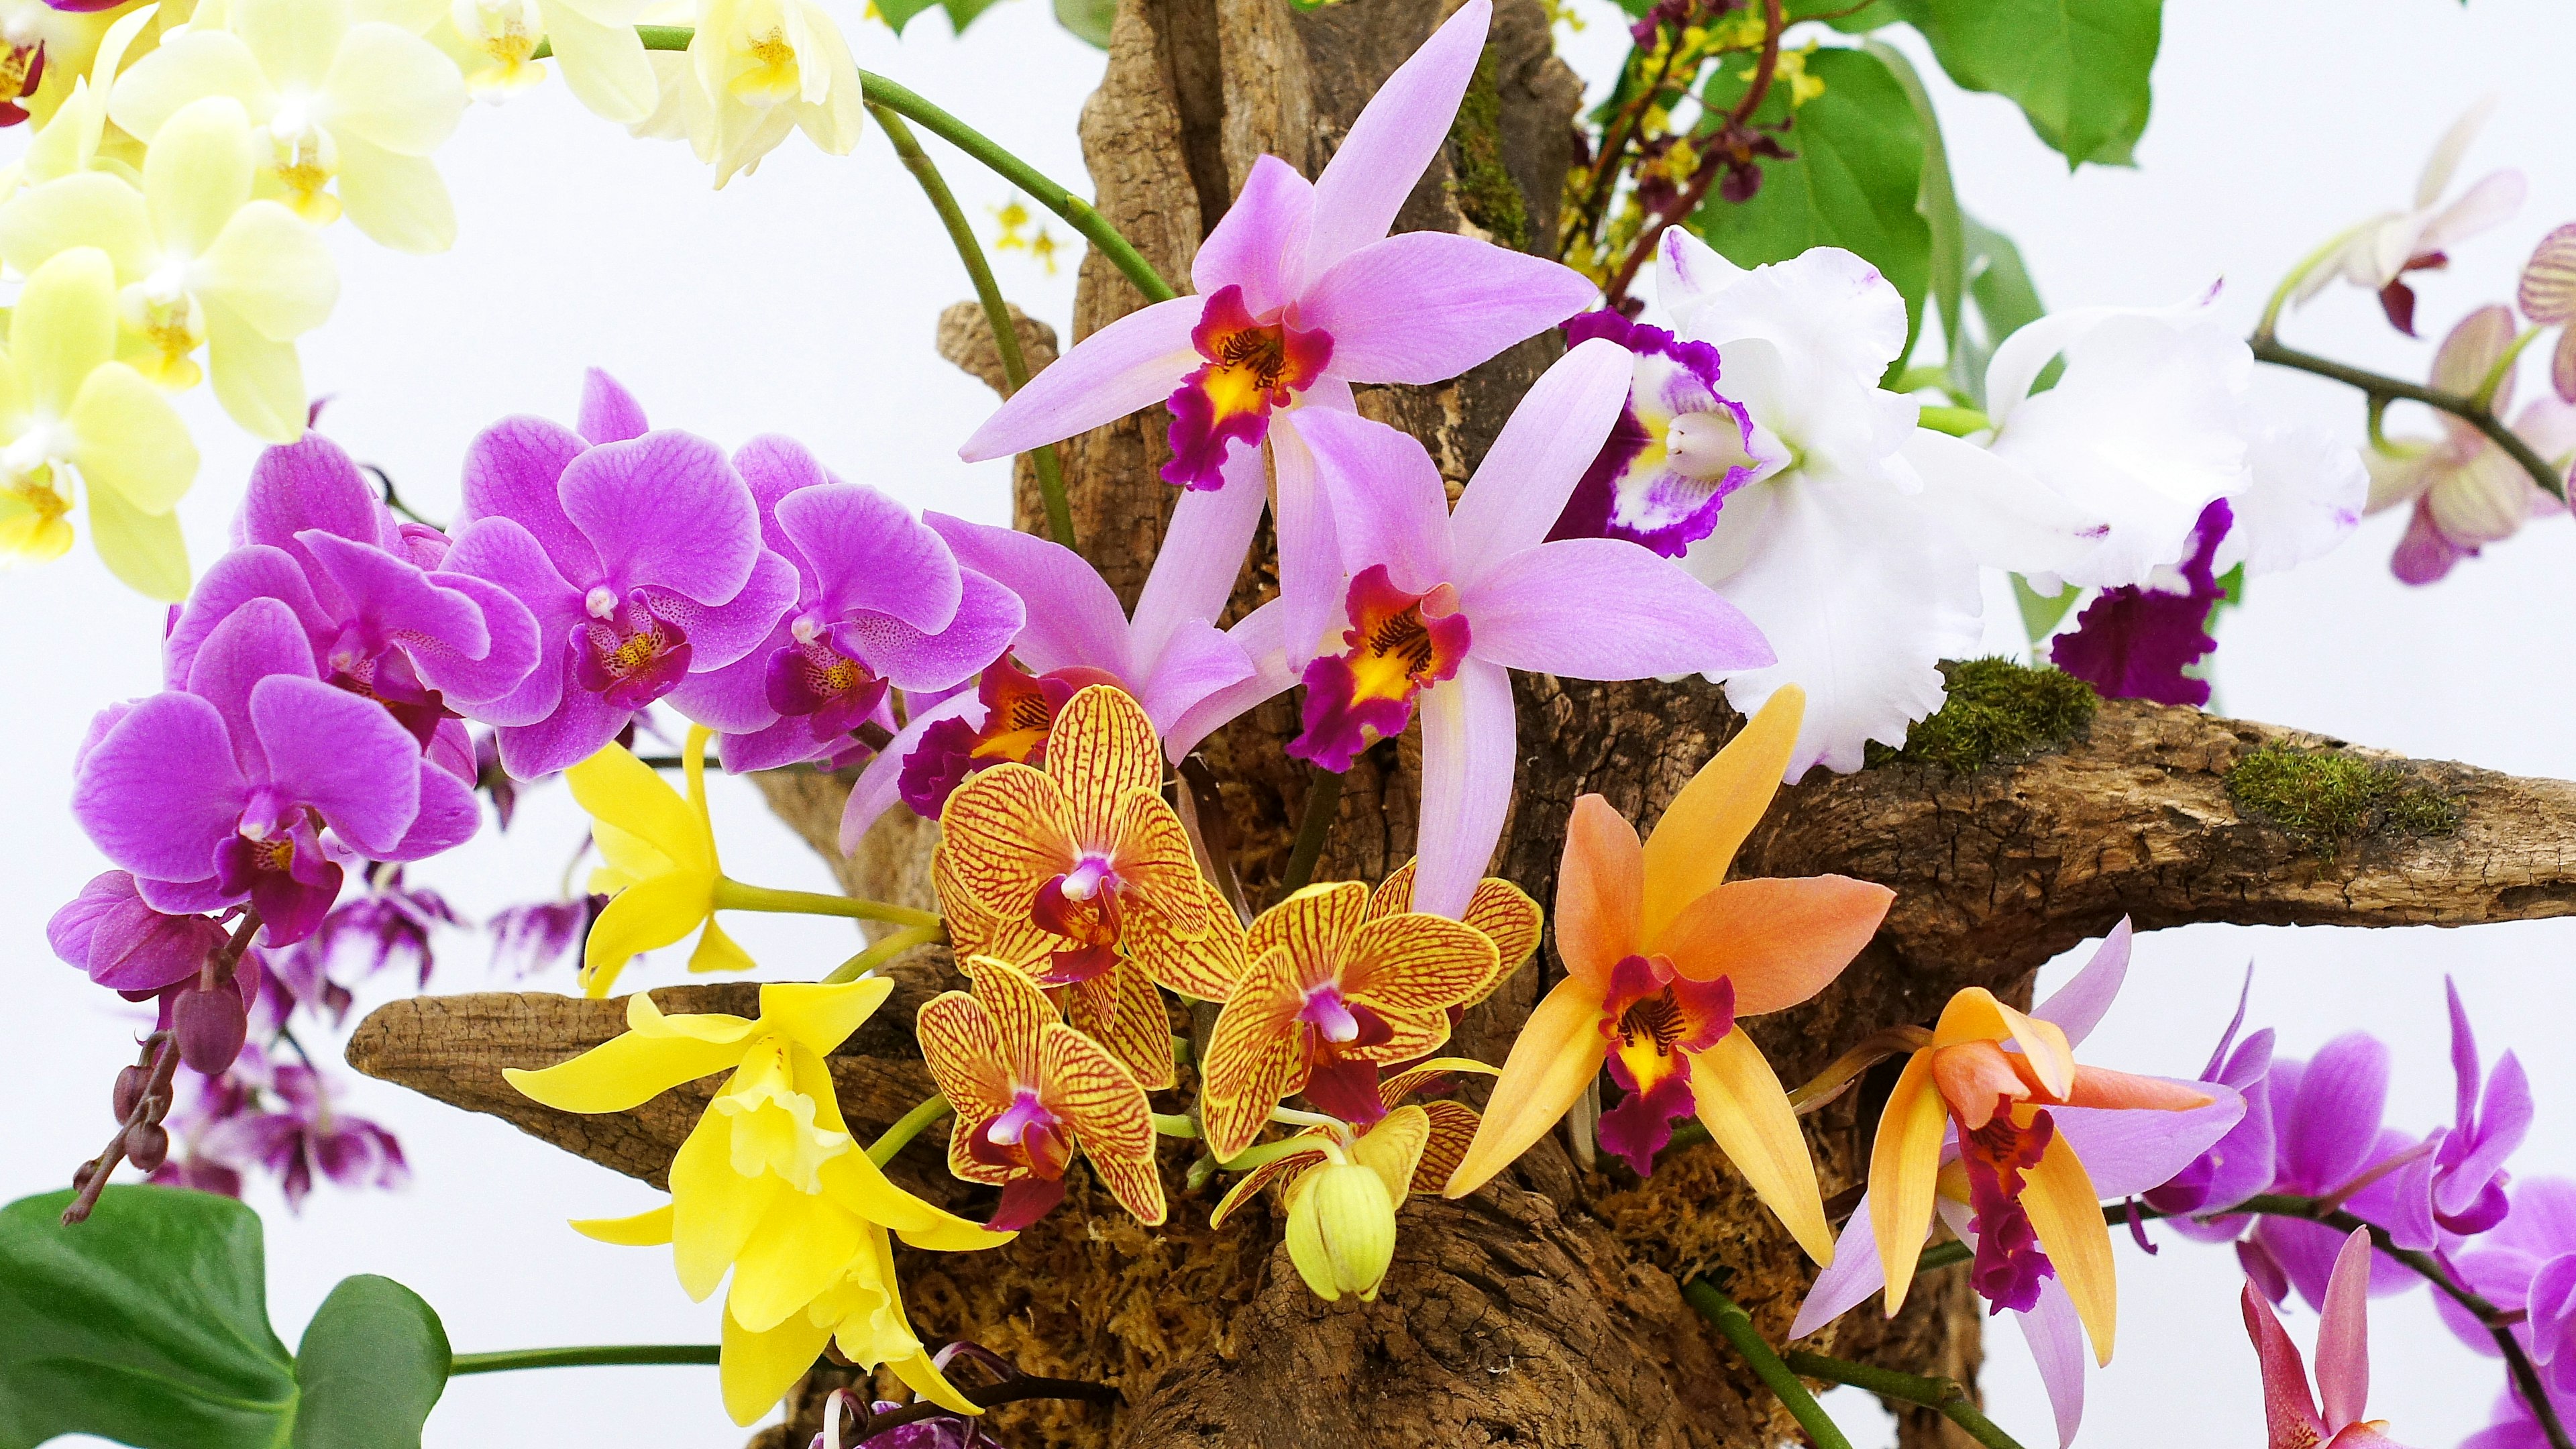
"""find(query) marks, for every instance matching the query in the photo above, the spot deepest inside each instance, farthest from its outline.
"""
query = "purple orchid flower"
(205, 1102)
(312, 535)
(2238, 1165)
(218, 794)
(308, 1133)
(2514, 1425)
(2459, 1190)
(2124, 1153)
(2527, 1262)
(534, 937)
(1679, 447)
(881, 602)
(1301, 293)
(2329, 1143)
(1170, 656)
(640, 556)
(388, 927)
(2137, 642)
(1441, 606)
(112, 933)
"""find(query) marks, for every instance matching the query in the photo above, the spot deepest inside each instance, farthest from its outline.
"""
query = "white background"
(802, 300)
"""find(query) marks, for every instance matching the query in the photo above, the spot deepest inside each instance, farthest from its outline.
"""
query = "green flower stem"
(2377, 385)
(591, 1356)
(900, 1135)
(1736, 1326)
(883, 951)
(733, 895)
(1177, 1124)
(1006, 338)
(1946, 1395)
(1957, 422)
(1269, 1152)
(1323, 802)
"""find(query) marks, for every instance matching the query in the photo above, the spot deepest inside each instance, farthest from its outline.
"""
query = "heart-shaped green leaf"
(373, 1363)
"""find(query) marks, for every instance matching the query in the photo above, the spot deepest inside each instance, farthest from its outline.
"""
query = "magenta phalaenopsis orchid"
(880, 603)
(2239, 1164)
(530, 938)
(2330, 1143)
(218, 794)
(308, 1133)
(387, 928)
(2528, 1262)
(640, 555)
(1679, 447)
(1301, 293)
(2458, 1189)
(2343, 1361)
(110, 932)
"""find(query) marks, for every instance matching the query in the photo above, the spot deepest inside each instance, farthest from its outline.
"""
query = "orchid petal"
(1073, 618)
(1740, 1101)
(2001, 511)
(666, 509)
(1557, 1053)
(1853, 1275)
(1469, 744)
(1422, 307)
(880, 785)
(1258, 634)
(1695, 843)
(1553, 435)
(2331, 1129)
(2343, 1334)
(1779, 941)
(2128, 1152)
(1260, 242)
(342, 755)
(1311, 579)
(1600, 890)
(2078, 1006)
(1605, 608)
(1132, 363)
(1904, 1170)
(2056, 1338)
(160, 791)
(1201, 556)
(2288, 1407)
(1388, 503)
(2067, 1214)
(1394, 139)
(625, 1071)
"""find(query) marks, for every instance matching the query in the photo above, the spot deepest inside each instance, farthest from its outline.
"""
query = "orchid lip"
(1086, 878)
(1025, 1112)
(1329, 1014)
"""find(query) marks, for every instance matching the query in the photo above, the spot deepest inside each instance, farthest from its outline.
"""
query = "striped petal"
(1557, 1053)
(1509, 919)
(1018, 1009)
(1122, 1011)
(1007, 832)
(1904, 1167)
(1749, 1117)
(1696, 840)
(1109, 1114)
(1416, 963)
(1260, 1177)
(1205, 969)
(1154, 863)
(1100, 748)
(965, 1056)
(2067, 1214)
(1311, 927)
(1393, 1149)
(1252, 1056)
(1453, 1126)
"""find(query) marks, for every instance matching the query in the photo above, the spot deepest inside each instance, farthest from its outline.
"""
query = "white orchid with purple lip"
(1301, 293)
(1679, 447)
(2124, 1153)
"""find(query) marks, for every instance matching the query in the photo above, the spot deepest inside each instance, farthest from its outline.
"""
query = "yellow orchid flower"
(770, 1186)
(200, 263)
(76, 138)
(604, 62)
(1663, 958)
(70, 414)
(661, 868)
(356, 105)
(756, 70)
(51, 47)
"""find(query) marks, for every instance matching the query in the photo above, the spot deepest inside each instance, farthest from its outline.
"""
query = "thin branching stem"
(1736, 1326)
(588, 1356)
(1948, 1397)
(2379, 387)
(1323, 802)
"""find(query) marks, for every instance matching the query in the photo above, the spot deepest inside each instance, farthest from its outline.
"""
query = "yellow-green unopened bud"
(1341, 1231)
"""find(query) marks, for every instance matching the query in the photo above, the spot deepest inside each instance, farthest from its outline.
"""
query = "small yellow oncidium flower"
(661, 868)
(771, 1187)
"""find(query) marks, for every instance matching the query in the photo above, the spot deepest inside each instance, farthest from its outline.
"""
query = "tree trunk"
(1546, 1308)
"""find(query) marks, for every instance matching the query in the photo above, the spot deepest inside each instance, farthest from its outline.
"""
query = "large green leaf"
(1089, 20)
(148, 1324)
(372, 1365)
(1852, 183)
(2077, 68)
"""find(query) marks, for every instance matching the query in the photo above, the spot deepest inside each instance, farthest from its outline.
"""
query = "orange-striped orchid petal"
(1500, 909)
(1695, 842)
(1453, 1127)
(1008, 831)
(1904, 1171)
(1741, 1102)
(1779, 941)
(1204, 969)
(1559, 1051)
(1122, 1011)
(1101, 750)
(1416, 964)
(1110, 1117)
(2067, 1214)
(1600, 891)
(1252, 1058)
(1287, 1167)
(1975, 1015)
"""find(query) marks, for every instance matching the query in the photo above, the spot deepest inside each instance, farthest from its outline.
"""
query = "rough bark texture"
(1543, 1310)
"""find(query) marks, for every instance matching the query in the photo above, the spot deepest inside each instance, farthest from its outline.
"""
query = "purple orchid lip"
(629, 655)
(1679, 448)
(812, 679)
(2009, 1264)
(285, 874)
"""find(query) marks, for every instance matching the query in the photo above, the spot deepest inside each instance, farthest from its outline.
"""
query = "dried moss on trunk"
(1998, 712)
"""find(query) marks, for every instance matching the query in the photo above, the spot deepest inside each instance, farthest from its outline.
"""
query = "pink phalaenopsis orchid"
(2291, 1412)
(1301, 293)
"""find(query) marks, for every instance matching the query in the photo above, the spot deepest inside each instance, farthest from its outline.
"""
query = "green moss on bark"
(2325, 798)
(1997, 711)
(1486, 193)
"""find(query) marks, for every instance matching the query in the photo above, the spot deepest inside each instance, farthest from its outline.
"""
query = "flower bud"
(148, 1146)
(210, 1026)
(1341, 1231)
(129, 1092)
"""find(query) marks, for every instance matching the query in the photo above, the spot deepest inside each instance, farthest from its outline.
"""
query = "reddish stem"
(1709, 170)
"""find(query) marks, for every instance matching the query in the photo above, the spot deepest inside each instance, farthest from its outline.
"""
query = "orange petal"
(1740, 1101)
(964, 1051)
(1453, 1126)
(1260, 1177)
(1007, 831)
(1973, 1076)
(1696, 841)
(2099, 1087)
(1416, 963)
(1109, 1115)
(1251, 1055)
(1600, 890)
(1018, 1008)
(1156, 866)
(1100, 749)
(1205, 969)
(1779, 941)
(1904, 1166)
(1975, 1015)
(1311, 926)
(2067, 1214)
(1394, 1089)
(1558, 1052)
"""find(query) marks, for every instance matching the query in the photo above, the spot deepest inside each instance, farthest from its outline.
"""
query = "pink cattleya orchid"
(1301, 293)
(2343, 1363)
(1440, 607)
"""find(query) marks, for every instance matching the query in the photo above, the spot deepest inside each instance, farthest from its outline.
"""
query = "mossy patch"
(2323, 798)
(1486, 193)
(1997, 711)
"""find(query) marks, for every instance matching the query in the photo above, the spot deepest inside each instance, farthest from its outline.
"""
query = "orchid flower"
(771, 1185)
(659, 867)
(754, 71)
(1171, 657)
(2468, 492)
(75, 137)
(2514, 1425)
(309, 1133)
(2459, 1189)
(880, 602)
(2546, 293)
(2326, 1120)
(120, 942)
(639, 553)
(358, 102)
(1679, 448)
(1440, 607)
(198, 262)
(1663, 956)
(73, 421)
(2238, 1165)
(44, 48)
(2527, 1262)
(1028, 1090)
(1081, 874)
(1301, 293)
(595, 41)
(312, 535)
(217, 794)
(2045, 1257)
(2143, 641)
(1343, 1191)
(1854, 546)
(2343, 1363)
(2377, 254)
(530, 938)
(1332, 992)
(1501, 910)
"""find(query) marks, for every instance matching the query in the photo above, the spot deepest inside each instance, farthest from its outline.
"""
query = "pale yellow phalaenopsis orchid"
(76, 137)
(770, 1186)
(347, 110)
(661, 865)
(199, 263)
(74, 419)
(62, 42)
(755, 70)
(603, 59)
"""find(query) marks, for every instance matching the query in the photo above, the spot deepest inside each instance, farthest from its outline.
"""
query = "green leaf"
(898, 13)
(1087, 19)
(2042, 613)
(148, 1324)
(962, 13)
(2077, 68)
(373, 1363)
(1936, 200)
(1852, 183)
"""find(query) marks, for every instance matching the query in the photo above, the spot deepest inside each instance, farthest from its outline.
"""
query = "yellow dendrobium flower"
(661, 865)
(755, 70)
(603, 58)
(352, 104)
(70, 413)
(771, 1186)
(200, 263)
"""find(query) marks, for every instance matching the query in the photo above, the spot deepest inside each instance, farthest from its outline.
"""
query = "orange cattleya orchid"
(1334, 991)
(1994, 1071)
(1663, 956)
(1028, 1090)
